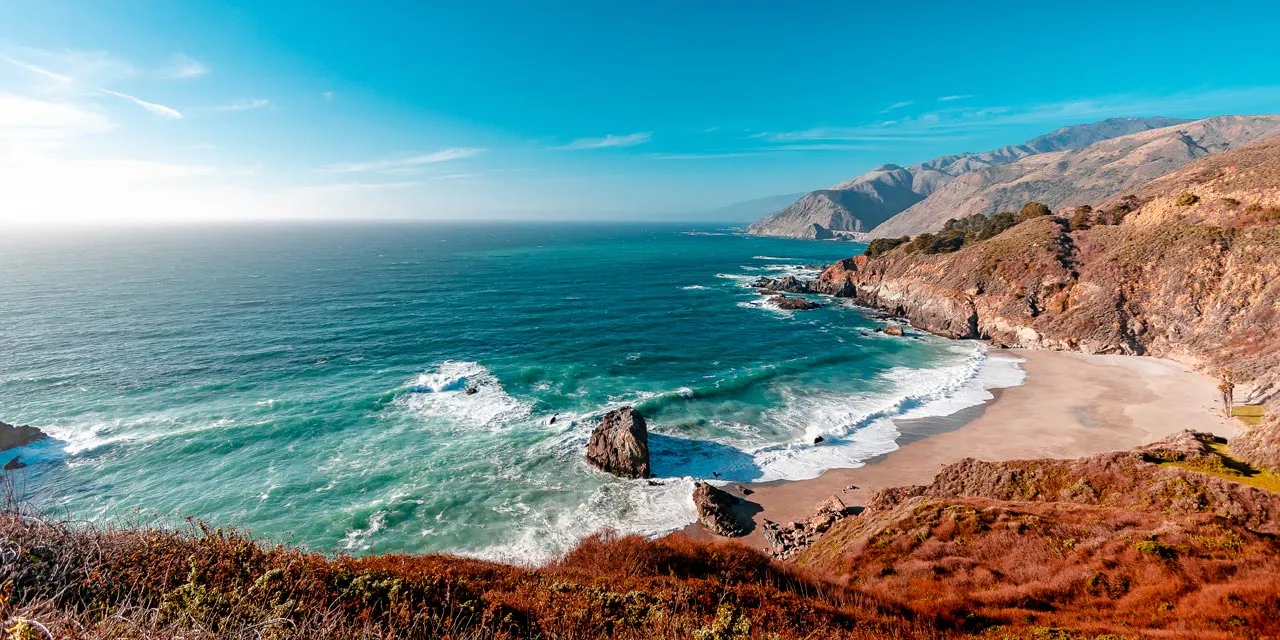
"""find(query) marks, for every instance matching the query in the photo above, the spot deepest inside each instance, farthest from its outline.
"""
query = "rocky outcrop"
(1140, 480)
(794, 303)
(788, 284)
(620, 444)
(1078, 176)
(12, 437)
(1197, 283)
(794, 537)
(864, 202)
(716, 510)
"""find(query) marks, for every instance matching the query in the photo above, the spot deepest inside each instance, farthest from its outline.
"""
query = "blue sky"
(168, 111)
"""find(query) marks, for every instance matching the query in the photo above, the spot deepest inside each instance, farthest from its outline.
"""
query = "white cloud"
(610, 140)
(67, 72)
(158, 109)
(24, 118)
(184, 67)
(960, 123)
(327, 95)
(39, 70)
(963, 96)
(248, 104)
(897, 105)
(399, 165)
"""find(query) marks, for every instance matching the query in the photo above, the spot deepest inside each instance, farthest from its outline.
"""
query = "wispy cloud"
(957, 123)
(962, 96)
(68, 71)
(608, 141)
(402, 165)
(158, 109)
(38, 70)
(247, 104)
(184, 67)
(327, 96)
(707, 156)
(897, 105)
(23, 118)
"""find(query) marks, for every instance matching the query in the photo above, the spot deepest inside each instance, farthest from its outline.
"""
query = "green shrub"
(1033, 210)
(1187, 199)
(1082, 218)
(1155, 548)
(881, 246)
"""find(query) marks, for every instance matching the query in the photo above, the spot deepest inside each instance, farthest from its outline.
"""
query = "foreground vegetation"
(1164, 541)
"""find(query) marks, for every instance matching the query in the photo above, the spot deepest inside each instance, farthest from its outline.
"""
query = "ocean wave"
(695, 287)
(623, 506)
(855, 428)
(462, 394)
(772, 258)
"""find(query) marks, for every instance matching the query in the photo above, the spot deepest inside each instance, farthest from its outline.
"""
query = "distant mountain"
(1078, 176)
(749, 209)
(864, 202)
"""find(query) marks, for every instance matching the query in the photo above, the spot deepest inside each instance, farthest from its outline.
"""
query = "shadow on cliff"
(678, 457)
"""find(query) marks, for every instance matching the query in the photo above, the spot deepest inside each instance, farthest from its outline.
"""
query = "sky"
(156, 111)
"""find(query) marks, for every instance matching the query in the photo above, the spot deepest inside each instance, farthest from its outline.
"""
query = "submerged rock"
(15, 464)
(620, 444)
(715, 510)
(12, 437)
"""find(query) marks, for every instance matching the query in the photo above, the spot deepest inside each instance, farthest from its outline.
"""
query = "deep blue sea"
(307, 381)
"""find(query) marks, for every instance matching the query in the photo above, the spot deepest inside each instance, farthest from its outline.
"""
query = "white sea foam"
(694, 287)
(443, 395)
(775, 258)
(858, 427)
(622, 506)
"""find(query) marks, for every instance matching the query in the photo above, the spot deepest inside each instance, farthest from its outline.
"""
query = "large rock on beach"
(715, 510)
(620, 444)
(12, 437)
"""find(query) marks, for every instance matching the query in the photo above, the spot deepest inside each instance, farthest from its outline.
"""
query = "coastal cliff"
(1183, 268)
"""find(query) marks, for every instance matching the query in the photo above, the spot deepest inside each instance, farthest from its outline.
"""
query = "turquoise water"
(307, 381)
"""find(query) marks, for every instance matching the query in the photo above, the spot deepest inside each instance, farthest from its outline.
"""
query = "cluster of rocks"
(794, 537)
(620, 444)
(786, 284)
(794, 303)
(716, 510)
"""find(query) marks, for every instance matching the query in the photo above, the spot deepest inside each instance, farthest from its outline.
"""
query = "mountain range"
(1075, 164)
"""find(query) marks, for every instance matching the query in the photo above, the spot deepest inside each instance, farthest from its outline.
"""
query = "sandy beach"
(1071, 405)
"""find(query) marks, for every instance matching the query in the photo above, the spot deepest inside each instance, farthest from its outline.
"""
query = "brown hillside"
(1192, 273)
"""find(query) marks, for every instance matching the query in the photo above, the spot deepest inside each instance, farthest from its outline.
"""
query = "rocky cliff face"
(1192, 274)
(1079, 176)
(864, 202)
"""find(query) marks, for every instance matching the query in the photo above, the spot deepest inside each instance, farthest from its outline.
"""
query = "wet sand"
(1071, 405)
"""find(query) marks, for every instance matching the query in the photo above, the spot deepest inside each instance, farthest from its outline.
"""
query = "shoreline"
(1070, 405)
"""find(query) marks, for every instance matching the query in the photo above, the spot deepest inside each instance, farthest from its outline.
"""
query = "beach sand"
(1071, 405)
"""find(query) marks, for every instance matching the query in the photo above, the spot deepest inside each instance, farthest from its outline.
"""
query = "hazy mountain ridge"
(1078, 176)
(864, 202)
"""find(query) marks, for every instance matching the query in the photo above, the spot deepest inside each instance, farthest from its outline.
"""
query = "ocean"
(306, 382)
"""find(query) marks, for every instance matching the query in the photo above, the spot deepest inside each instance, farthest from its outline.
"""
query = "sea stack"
(620, 444)
(12, 437)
